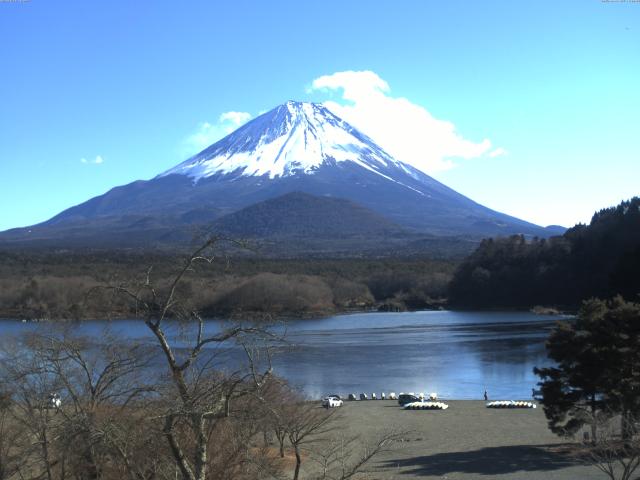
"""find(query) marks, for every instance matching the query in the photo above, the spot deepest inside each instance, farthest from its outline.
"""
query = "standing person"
(486, 397)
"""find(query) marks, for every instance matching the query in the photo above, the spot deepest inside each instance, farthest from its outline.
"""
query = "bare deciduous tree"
(342, 458)
(196, 403)
(31, 383)
(12, 438)
(200, 398)
(75, 400)
(618, 458)
(306, 425)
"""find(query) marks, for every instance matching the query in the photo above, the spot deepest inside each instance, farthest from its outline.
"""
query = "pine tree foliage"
(597, 372)
(601, 259)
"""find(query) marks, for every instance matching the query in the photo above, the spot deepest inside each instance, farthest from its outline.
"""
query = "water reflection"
(457, 354)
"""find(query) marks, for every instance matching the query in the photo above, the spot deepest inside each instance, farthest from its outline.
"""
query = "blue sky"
(98, 94)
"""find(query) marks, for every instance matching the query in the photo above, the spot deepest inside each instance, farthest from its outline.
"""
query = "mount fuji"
(297, 171)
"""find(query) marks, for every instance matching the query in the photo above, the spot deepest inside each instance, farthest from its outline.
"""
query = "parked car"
(53, 401)
(405, 398)
(332, 401)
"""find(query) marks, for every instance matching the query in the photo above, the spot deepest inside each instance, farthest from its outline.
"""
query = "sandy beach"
(467, 441)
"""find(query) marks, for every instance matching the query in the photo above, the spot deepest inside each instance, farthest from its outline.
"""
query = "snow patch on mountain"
(294, 138)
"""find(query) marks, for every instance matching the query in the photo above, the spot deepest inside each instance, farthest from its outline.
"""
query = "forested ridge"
(56, 285)
(601, 259)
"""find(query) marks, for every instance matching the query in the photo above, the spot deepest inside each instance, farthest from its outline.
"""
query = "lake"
(456, 354)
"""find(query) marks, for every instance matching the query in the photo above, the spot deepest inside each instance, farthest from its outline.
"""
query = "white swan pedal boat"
(510, 404)
(426, 406)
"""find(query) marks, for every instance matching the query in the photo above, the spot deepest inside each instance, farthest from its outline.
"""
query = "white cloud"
(235, 118)
(498, 152)
(209, 133)
(96, 161)
(406, 130)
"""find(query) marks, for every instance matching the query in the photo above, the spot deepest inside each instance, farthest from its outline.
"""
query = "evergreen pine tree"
(597, 370)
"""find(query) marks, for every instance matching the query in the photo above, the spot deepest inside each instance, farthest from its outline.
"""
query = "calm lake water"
(456, 354)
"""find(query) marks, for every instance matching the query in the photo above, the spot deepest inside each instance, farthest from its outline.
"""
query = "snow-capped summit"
(296, 172)
(291, 139)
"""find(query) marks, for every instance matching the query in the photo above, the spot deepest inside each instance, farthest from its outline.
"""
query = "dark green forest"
(601, 259)
(55, 285)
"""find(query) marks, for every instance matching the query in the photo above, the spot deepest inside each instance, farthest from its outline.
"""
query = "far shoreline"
(293, 316)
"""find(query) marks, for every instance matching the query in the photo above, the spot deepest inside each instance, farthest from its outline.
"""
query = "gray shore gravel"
(467, 441)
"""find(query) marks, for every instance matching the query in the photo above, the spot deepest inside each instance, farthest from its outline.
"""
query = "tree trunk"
(281, 436)
(178, 455)
(201, 448)
(594, 420)
(91, 468)
(298, 462)
(45, 454)
(626, 425)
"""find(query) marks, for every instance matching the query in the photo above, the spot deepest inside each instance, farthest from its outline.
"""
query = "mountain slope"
(296, 147)
(299, 214)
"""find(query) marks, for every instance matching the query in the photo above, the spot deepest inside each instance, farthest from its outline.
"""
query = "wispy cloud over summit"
(498, 152)
(208, 133)
(405, 129)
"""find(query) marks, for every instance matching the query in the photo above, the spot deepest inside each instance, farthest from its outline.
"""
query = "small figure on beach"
(486, 397)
